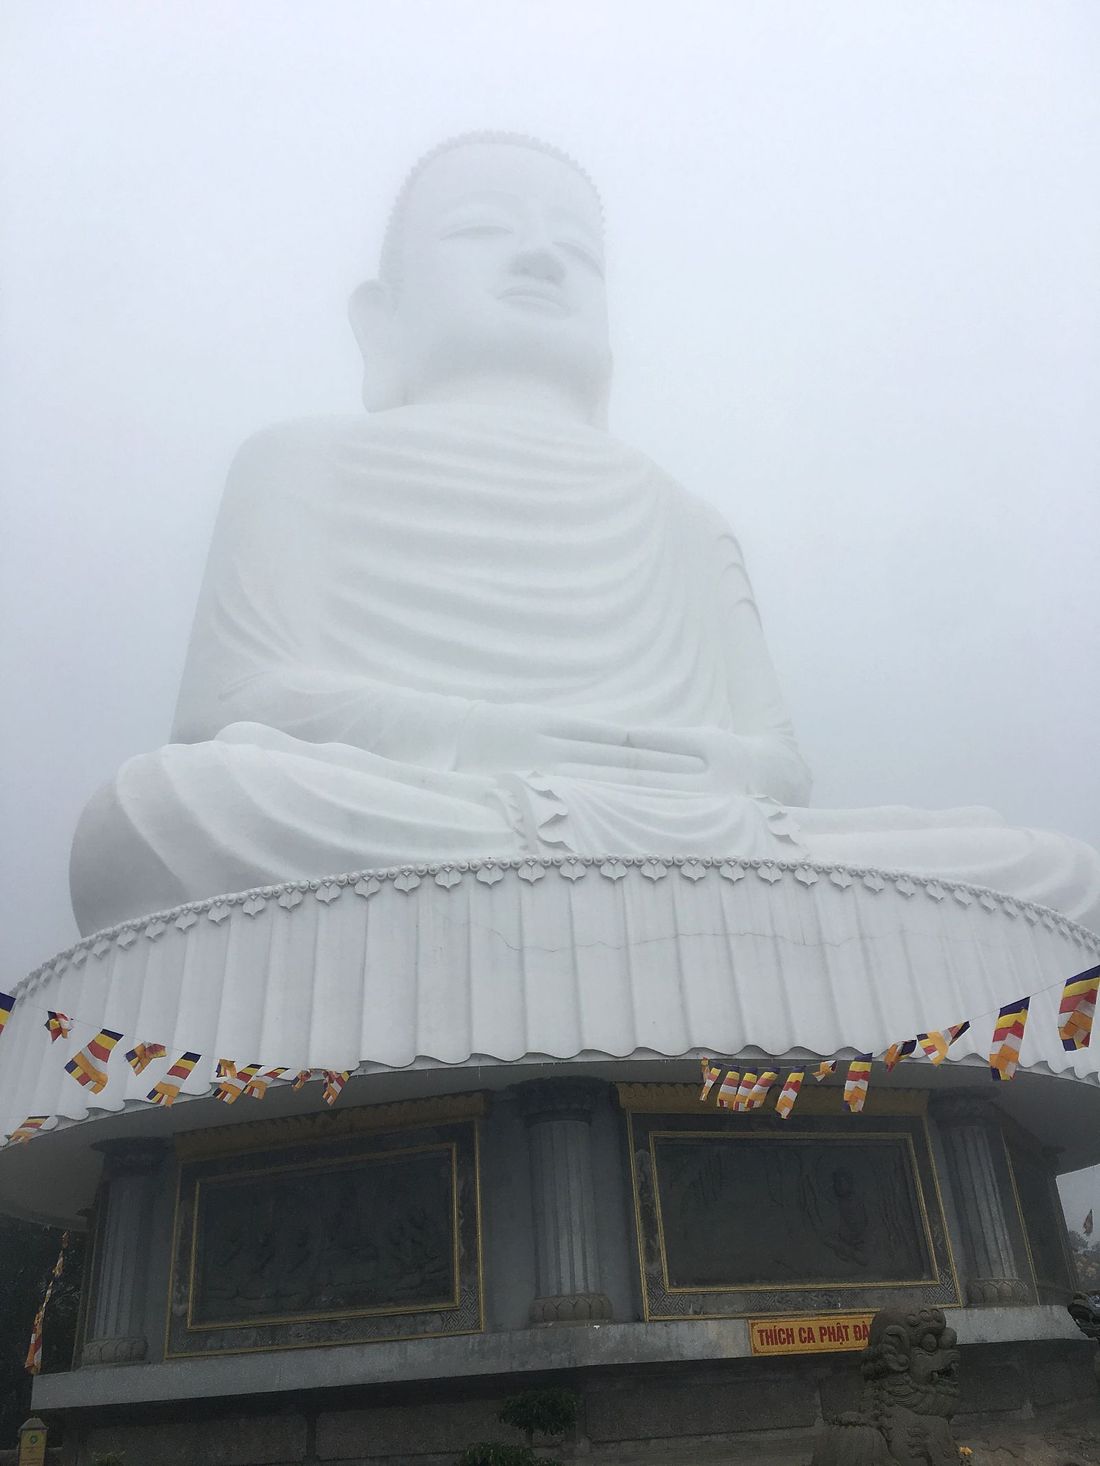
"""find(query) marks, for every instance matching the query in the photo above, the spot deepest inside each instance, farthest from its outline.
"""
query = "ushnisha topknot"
(388, 265)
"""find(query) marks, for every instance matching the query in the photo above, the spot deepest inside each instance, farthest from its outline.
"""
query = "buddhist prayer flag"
(727, 1093)
(740, 1099)
(789, 1093)
(142, 1055)
(711, 1076)
(165, 1091)
(233, 1080)
(1008, 1035)
(335, 1079)
(1087, 1228)
(33, 1363)
(7, 1003)
(760, 1089)
(58, 1025)
(937, 1043)
(303, 1077)
(896, 1052)
(28, 1130)
(85, 1066)
(855, 1086)
(1075, 1013)
(256, 1087)
(824, 1069)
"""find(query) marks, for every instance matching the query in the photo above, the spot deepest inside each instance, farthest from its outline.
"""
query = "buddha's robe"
(376, 585)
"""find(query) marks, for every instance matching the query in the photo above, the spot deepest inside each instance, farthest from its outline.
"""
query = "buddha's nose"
(539, 262)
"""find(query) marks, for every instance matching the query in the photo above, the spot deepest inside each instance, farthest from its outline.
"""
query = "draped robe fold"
(373, 582)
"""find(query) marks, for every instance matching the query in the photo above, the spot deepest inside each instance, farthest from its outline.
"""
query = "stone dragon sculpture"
(910, 1375)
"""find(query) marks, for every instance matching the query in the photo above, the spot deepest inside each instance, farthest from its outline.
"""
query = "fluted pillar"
(558, 1116)
(969, 1126)
(116, 1327)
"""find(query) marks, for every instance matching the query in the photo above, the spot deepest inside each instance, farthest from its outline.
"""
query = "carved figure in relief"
(473, 624)
(910, 1372)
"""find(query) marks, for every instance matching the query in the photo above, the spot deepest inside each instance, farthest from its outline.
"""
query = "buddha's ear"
(371, 312)
(602, 405)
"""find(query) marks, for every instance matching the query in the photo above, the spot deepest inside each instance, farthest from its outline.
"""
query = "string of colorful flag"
(748, 1090)
(737, 1090)
(88, 1067)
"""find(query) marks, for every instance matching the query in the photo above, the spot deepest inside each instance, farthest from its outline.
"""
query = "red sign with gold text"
(814, 1334)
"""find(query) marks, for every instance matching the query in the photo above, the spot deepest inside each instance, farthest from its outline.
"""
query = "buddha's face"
(499, 272)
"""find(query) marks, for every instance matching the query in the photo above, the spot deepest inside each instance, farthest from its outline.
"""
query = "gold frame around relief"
(821, 1283)
(684, 1099)
(259, 1321)
(472, 1107)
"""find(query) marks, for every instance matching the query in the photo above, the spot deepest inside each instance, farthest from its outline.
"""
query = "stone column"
(116, 1328)
(558, 1115)
(970, 1128)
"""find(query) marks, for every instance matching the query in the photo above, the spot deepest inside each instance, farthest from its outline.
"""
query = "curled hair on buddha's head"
(389, 264)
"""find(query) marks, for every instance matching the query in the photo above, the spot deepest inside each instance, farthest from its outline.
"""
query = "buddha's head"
(491, 271)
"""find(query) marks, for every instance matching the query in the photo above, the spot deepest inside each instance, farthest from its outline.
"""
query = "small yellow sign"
(32, 1448)
(815, 1334)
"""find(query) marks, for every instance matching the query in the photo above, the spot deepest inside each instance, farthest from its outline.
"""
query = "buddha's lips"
(550, 302)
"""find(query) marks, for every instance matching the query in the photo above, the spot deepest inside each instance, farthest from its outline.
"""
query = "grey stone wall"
(136, 1208)
(718, 1411)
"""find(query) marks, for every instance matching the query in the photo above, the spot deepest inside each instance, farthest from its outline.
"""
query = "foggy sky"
(852, 255)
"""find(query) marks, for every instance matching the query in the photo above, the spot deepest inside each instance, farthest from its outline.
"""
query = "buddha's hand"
(520, 738)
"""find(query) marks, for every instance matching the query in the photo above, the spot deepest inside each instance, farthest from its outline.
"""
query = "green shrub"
(535, 1412)
(540, 1412)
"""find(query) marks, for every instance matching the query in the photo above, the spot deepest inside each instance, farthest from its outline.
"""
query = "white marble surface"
(501, 964)
(475, 625)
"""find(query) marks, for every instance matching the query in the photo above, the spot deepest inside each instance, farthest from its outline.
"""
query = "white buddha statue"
(472, 624)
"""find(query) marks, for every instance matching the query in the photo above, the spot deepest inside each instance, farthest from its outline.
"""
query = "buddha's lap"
(190, 821)
(195, 820)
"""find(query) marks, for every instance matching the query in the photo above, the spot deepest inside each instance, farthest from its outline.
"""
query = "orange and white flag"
(1077, 1010)
(166, 1090)
(1008, 1037)
(28, 1130)
(789, 1093)
(896, 1052)
(256, 1087)
(760, 1089)
(857, 1082)
(712, 1073)
(33, 1362)
(937, 1043)
(85, 1065)
(142, 1055)
(740, 1100)
(57, 1025)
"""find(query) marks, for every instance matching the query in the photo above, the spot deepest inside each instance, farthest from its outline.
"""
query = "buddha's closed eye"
(485, 230)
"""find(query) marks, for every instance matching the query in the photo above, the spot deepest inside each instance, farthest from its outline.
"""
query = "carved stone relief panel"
(374, 1236)
(738, 1215)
